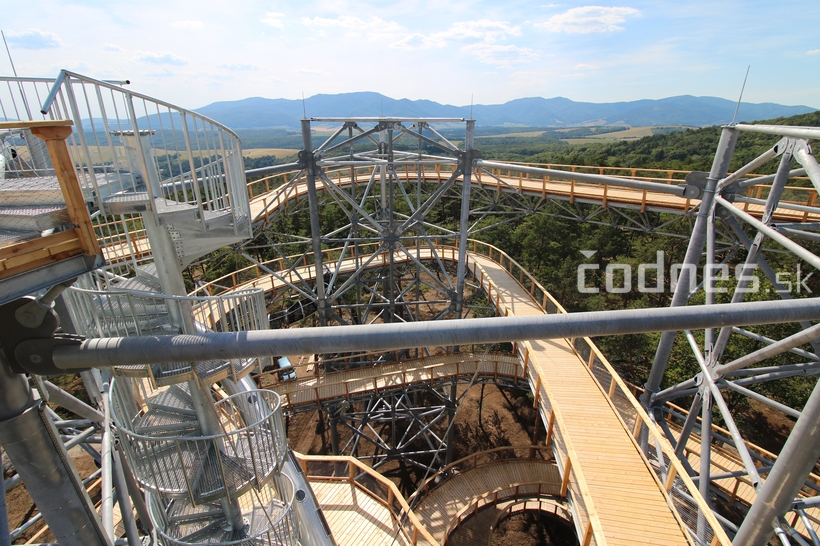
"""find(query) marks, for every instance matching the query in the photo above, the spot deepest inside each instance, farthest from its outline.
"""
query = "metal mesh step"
(39, 190)
(210, 483)
(176, 398)
(160, 422)
(33, 217)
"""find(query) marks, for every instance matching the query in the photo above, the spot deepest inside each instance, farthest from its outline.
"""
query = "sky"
(193, 53)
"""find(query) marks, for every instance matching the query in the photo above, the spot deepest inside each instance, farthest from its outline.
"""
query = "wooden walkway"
(265, 205)
(347, 384)
(627, 501)
(446, 502)
(356, 518)
(623, 502)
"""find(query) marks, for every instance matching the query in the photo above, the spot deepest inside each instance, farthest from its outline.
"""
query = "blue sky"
(193, 53)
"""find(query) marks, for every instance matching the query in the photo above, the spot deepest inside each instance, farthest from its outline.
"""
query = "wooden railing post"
(565, 479)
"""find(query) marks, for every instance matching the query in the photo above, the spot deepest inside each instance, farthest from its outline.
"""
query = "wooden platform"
(356, 518)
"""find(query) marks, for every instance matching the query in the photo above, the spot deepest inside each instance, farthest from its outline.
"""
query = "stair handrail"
(199, 158)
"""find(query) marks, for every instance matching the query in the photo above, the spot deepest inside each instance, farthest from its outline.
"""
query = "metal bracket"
(36, 355)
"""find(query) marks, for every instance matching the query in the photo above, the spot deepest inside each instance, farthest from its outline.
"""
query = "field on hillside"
(259, 152)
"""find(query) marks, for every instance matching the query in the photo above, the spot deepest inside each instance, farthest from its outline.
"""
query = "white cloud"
(588, 19)
(188, 24)
(502, 55)
(112, 47)
(240, 66)
(813, 52)
(33, 38)
(160, 58)
(374, 28)
(273, 19)
(484, 30)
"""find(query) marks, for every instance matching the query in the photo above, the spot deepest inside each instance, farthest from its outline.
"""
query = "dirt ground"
(534, 529)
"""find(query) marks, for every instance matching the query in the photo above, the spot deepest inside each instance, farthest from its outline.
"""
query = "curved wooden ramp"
(269, 203)
(313, 391)
(439, 508)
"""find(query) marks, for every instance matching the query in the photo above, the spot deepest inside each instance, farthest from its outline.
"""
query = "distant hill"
(261, 113)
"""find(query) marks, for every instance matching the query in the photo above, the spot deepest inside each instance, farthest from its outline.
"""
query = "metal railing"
(129, 144)
(122, 313)
(251, 448)
(271, 520)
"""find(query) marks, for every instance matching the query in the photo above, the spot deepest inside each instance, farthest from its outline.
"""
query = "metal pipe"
(720, 165)
(772, 233)
(106, 489)
(804, 368)
(679, 190)
(769, 341)
(734, 474)
(121, 490)
(705, 458)
(106, 352)
(464, 221)
(786, 344)
(752, 165)
(768, 179)
(781, 130)
(315, 228)
(802, 152)
(809, 526)
(55, 88)
(762, 399)
(688, 425)
(134, 491)
(274, 169)
(793, 465)
(71, 403)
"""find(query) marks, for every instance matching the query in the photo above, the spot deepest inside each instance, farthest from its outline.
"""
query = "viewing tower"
(104, 221)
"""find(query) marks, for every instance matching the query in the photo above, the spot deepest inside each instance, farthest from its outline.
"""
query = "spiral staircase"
(166, 187)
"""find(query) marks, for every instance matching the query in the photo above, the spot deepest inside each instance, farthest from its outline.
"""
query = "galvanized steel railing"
(269, 511)
(251, 448)
(122, 313)
(126, 143)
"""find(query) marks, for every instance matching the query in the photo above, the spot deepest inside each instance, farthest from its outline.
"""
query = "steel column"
(315, 229)
(793, 465)
(726, 146)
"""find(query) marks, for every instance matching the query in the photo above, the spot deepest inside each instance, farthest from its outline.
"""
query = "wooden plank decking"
(265, 204)
(438, 509)
(356, 518)
(626, 497)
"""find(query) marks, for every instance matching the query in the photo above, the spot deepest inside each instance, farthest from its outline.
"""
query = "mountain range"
(262, 113)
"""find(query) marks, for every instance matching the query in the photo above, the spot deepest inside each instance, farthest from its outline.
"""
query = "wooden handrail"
(391, 487)
(424, 489)
(490, 498)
